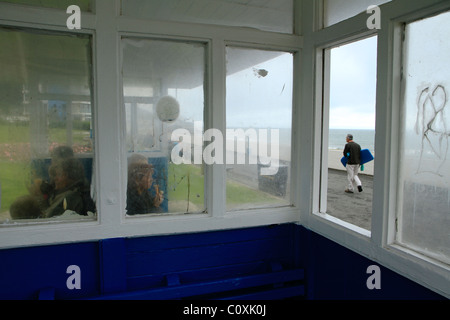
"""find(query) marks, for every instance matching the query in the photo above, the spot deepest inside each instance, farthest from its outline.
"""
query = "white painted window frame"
(107, 27)
(379, 243)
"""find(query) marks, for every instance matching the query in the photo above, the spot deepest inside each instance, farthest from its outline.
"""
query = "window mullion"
(108, 124)
(215, 191)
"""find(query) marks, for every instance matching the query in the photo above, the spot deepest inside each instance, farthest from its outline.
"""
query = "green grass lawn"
(13, 179)
(185, 182)
(14, 134)
(15, 159)
(18, 133)
(238, 193)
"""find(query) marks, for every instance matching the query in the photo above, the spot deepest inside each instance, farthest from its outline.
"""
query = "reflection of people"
(137, 158)
(139, 198)
(67, 176)
(68, 189)
(25, 207)
(65, 193)
(42, 188)
(62, 152)
(74, 170)
(352, 151)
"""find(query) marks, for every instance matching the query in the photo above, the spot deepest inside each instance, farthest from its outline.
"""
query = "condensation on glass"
(424, 154)
(335, 11)
(84, 5)
(258, 122)
(163, 92)
(46, 136)
(351, 110)
(276, 16)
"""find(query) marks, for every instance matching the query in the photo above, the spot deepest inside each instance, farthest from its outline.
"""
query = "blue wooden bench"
(281, 284)
(275, 285)
(251, 263)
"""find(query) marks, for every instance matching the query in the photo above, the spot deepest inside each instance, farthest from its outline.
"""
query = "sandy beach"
(354, 208)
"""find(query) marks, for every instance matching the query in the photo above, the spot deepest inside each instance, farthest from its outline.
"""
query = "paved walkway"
(355, 208)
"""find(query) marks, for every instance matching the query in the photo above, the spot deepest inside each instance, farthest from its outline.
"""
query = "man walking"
(352, 151)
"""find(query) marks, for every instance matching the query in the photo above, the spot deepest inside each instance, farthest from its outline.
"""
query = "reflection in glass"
(45, 106)
(259, 114)
(163, 93)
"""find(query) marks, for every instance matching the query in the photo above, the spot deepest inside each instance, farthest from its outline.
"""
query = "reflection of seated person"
(139, 198)
(42, 188)
(69, 183)
(25, 207)
(62, 152)
(68, 189)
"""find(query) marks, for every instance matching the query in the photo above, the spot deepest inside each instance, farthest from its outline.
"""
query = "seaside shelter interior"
(191, 149)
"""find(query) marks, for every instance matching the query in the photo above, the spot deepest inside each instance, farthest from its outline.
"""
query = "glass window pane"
(164, 101)
(424, 171)
(85, 5)
(46, 139)
(264, 15)
(352, 99)
(339, 10)
(259, 115)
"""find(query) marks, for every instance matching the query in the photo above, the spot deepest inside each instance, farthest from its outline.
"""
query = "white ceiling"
(267, 15)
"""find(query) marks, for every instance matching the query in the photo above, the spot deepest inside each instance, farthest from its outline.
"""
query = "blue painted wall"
(335, 272)
(120, 265)
(25, 271)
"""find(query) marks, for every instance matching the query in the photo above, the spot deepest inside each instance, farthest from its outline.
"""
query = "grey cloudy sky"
(353, 85)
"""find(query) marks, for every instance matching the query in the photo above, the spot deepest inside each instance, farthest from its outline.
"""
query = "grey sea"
(364, 137)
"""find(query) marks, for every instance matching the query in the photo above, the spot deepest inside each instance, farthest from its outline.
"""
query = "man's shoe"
(348, 191)
(360, 188)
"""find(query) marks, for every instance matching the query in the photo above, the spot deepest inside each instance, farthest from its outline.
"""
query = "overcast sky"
(264, 101)
(352, 90)
(353, 85)
(261, 96)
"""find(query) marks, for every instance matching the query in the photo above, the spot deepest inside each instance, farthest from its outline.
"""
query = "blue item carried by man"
(365, 157)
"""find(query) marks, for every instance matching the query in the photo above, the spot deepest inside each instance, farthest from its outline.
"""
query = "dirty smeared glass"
(46, 134)
(163, 88)
(258, 136)
(424, 172)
